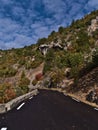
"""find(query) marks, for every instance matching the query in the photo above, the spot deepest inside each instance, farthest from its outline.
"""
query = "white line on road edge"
(20, 106)
(3, 128)
(96, 109)
(31, 97)
(76, 99)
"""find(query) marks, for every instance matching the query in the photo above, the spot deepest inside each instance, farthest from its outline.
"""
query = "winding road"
(50, 110)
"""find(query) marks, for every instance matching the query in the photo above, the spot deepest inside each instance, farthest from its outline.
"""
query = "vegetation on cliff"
(74, 47)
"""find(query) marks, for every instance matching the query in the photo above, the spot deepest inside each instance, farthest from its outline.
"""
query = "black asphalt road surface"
(51, 111)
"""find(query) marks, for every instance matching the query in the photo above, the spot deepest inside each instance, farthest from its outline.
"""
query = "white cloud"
(18, 42)
(93, 3)
(6, 2)
(56, 6)
(10, 34)
(18, 11)
(23, 22)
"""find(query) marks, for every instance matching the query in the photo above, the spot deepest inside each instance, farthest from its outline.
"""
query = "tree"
(61, 29)
(41, 41)
(72, 23)
(82, 41)
(49, 61)
(95, 57)
(56, 77)
(75, 62)
(6, 92)
(83, 38)
(23, 83)
(52, 33)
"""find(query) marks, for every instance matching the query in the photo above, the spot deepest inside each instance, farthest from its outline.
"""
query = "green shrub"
(95, 57)
(34, 82)
(23, 83)
(8, 72)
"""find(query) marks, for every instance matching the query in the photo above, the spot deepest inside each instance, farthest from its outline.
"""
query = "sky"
(23, 22)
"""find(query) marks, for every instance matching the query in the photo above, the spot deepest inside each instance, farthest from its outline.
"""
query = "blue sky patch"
(22, 22)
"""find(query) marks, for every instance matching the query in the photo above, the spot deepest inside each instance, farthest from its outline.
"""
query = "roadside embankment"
(9, 105)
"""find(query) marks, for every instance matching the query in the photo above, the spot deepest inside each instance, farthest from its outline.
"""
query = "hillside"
(66, 59)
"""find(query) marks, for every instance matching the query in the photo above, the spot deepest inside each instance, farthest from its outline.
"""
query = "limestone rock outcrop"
(93, 26)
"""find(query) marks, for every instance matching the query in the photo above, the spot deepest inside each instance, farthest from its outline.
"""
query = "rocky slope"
(67, 59)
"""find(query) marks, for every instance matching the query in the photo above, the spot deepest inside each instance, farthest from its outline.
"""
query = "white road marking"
(76, 99)
(96, 109)
(4, 128)
(20, 106)
(31, 97)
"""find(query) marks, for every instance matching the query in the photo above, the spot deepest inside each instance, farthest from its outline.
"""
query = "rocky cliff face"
(93, 26)
(45, 47)
(89, 81)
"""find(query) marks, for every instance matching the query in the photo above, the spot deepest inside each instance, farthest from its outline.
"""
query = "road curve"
(50, 110)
